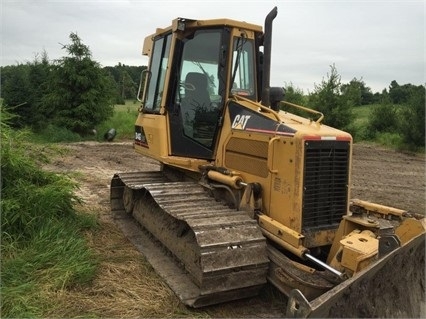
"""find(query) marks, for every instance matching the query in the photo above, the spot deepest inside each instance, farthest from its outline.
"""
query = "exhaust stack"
(267, 45)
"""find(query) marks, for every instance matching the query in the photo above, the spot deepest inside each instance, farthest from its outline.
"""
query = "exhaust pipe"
(267, 45)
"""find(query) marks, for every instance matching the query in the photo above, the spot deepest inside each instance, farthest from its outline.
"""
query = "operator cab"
(188, 80)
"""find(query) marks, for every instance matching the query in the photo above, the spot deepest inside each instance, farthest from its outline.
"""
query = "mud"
(379, 175)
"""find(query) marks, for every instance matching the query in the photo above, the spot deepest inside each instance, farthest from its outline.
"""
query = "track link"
(214, 253)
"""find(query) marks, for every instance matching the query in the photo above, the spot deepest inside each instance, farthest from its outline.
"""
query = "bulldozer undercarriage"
(213, 253)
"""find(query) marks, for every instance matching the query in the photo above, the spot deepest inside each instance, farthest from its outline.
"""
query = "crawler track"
(208, 254)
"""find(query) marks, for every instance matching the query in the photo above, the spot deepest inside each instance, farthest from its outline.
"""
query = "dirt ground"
(127, 287)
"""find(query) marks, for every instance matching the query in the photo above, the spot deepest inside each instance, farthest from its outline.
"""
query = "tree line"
(398, 110)
(76, 93)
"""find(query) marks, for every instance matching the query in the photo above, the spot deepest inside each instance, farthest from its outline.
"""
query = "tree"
(294, 94)
(16, 92)
(357, 92)
(38, 77)
(80, 92)
(412, 124)
(400, 94)
(126, 80)
(327, 98)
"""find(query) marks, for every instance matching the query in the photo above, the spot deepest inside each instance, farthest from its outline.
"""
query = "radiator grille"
(325, 183)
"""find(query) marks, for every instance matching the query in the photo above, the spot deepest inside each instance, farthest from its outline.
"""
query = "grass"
(57, 258)
(361, 115)
(123, 121)
(43, 251)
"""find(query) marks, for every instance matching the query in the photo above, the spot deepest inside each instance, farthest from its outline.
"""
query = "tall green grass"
(362, 114)
(42, 247)
(123, 121)
(56, 258)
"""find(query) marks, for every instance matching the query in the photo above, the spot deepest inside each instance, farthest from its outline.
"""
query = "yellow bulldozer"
(249, 194)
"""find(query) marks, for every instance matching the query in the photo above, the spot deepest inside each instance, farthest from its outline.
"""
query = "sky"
(373, 41)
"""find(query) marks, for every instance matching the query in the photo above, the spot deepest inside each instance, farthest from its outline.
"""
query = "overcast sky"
(378, 41)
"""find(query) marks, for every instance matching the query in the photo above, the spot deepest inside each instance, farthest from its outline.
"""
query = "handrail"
(263, 108)
(270, 161)
(318, 121)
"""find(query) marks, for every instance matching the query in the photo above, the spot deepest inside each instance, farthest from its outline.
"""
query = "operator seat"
(196, 93)
(196, 107)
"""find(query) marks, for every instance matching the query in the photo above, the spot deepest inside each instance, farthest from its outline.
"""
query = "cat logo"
(240, 121)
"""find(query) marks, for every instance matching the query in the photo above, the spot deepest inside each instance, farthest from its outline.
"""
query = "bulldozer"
(251, 193)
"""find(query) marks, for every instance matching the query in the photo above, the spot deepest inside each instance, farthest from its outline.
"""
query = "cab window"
(157, 74)
(243, 75)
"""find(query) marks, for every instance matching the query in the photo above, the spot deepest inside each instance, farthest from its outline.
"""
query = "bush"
(412, 125)
(383, 118)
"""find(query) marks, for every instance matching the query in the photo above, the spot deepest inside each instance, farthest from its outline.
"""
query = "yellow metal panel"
(410, 228)
(358, 247)
(156, 133)
(285, 182)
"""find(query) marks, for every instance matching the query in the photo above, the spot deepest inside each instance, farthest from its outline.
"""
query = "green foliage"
(400, 94)
(389, 139)
(42, 250)
(56, 258)
(383, 119)
(23, 86)
(16, 92)
(55, 134)
(412, 125)
(327, 98)
(126, 79)
(294, 95)
(30, 91)
(357, 93)
(123, 121)
(402, 125)
(80, 93)
(29, 194)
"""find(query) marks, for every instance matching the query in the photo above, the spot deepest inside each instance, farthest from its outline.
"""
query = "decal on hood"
(248, 120)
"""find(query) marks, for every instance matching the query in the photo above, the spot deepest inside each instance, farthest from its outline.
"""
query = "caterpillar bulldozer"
(249, 193)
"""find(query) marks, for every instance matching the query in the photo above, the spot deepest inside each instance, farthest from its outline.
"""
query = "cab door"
(198, 95)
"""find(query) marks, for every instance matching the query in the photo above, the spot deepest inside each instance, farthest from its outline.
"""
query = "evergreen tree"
(16, 93)
(80, 92)
(38, 77)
